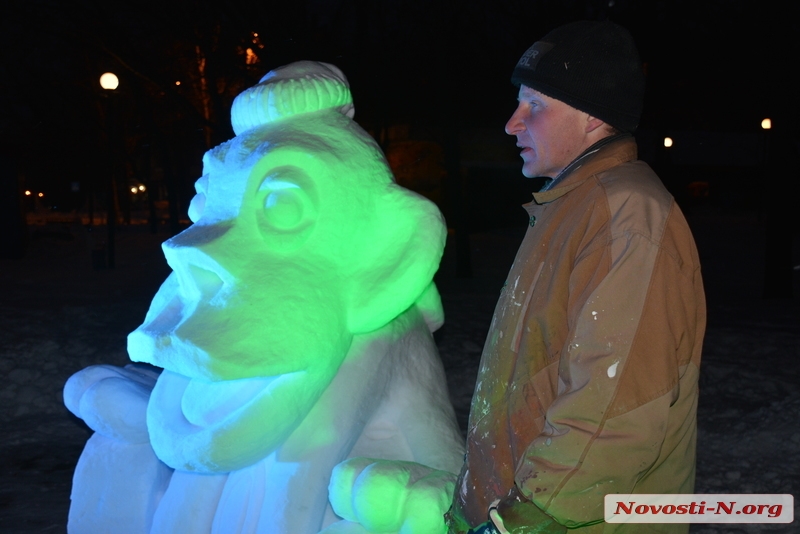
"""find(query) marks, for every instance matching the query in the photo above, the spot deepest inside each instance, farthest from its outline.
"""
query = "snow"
(59, 315)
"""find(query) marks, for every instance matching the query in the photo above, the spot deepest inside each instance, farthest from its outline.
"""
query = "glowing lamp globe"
(109, 81)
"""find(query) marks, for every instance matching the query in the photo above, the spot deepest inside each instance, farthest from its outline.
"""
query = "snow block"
(125, 478)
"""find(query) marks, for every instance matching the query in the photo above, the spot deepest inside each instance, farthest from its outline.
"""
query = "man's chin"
(530, 169)
(528, 173)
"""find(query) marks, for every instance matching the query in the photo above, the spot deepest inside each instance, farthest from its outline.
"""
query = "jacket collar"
(601, 156)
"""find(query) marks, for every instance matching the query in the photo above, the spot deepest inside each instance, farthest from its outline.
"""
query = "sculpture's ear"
(400, 258)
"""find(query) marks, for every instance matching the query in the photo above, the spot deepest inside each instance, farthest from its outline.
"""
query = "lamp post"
(780, 150)
(109, 82)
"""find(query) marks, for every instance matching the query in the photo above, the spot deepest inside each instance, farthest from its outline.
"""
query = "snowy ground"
(58, 315)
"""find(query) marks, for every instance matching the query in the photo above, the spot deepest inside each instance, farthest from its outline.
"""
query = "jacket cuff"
(519, 515)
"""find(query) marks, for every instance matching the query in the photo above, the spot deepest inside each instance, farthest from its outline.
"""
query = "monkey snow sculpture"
(294, 333)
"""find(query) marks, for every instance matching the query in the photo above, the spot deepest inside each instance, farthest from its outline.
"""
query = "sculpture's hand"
(389, 497)
(112, 400)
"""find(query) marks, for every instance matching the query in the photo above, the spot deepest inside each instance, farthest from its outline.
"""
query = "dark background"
(439, 66)
(430, 80)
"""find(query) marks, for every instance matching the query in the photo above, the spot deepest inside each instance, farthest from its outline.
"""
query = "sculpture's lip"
(207, 403)
(170, 317)
(215, 427)
(179, 355)
(166, 350)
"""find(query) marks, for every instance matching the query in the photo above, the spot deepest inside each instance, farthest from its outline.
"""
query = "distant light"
(134, 190)
(178, 82)
(141, 188)
(255, 34)
(667, 142)
(251, 57)
(41, 195)
(109, 81)
(766, 124)
(27, 193)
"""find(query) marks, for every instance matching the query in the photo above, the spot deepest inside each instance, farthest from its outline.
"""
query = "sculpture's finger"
(116, 407)
(379, 495)
(428, 500)
(78, 383)
(340, 488)
(392, 496)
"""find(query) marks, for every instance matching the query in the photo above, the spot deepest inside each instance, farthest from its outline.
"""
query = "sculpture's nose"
(190, 254)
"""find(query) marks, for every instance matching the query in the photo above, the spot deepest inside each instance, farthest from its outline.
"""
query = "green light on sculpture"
(301, 240)
(392, 496)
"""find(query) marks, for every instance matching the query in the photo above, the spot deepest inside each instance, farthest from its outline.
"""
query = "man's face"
(550, 133)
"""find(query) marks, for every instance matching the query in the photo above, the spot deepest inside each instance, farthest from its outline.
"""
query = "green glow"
(301, 240)
(392, 496)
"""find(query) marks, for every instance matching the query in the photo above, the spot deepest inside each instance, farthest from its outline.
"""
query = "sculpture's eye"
(287, 204)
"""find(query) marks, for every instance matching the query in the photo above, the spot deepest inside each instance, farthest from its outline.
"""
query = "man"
(588, 380)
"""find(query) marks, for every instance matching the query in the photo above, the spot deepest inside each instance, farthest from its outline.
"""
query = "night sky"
(711, 65)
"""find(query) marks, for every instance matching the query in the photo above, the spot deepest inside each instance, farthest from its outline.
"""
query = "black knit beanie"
(592, 66)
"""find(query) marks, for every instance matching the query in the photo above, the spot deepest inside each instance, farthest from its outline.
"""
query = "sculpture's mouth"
(163, 348)
(209, 403)
(159, 341)
(188, 285)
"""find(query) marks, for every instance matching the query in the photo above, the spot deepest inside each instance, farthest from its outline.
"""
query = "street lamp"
(110, 82)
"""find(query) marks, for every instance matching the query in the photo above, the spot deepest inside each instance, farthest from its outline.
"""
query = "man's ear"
(593, 123)
(401, 257)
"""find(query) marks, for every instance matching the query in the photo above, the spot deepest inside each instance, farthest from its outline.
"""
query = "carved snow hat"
(300, 87)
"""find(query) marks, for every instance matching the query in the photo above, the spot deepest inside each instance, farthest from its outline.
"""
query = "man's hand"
(484, 528)
(515, 514)
(496, 520)
(389, 496)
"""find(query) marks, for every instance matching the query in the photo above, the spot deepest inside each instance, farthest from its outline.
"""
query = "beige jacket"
(588, 380)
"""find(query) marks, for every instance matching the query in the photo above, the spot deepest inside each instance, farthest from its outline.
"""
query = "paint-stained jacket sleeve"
(629, 352)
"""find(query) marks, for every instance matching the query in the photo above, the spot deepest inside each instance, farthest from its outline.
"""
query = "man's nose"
(515, 124)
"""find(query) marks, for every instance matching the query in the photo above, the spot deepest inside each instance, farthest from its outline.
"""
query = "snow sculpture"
(294, 333)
